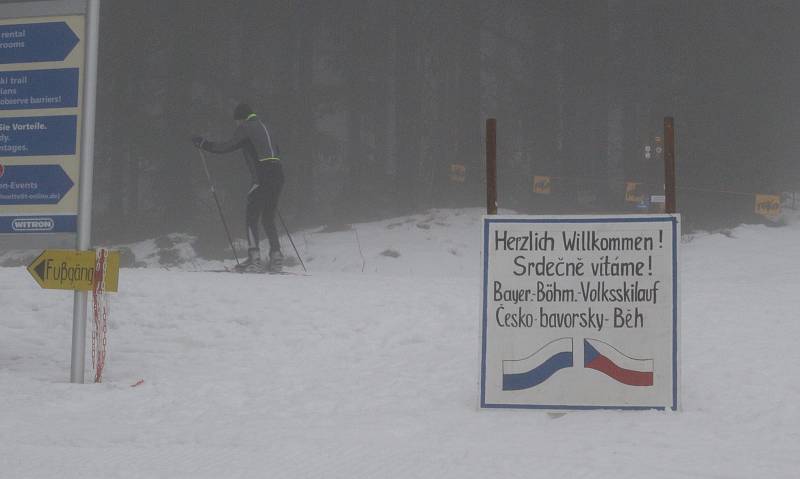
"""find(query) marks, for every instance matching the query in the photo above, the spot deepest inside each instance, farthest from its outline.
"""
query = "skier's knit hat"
(242, 111)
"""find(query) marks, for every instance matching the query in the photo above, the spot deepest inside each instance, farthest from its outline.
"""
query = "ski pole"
(219, 208)
(280, 217)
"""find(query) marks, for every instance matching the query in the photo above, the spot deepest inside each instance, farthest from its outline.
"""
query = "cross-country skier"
(253, 138)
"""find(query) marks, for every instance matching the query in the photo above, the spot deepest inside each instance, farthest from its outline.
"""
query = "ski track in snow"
(350, 375)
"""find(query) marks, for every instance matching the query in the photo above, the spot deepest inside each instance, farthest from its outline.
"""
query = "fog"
(372, 101)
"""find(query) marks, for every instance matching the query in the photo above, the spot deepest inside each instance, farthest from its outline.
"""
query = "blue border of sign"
(623, 219)
(58, 224)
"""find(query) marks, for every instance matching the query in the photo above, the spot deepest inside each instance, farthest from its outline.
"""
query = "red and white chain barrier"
(100, 308)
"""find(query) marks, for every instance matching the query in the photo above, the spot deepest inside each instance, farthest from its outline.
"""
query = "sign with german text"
(41, 76)
(580, 312)
(73, 270)
(38, 136)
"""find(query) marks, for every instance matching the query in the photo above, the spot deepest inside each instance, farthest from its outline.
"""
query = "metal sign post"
(491, 166)
(85, 196)
(669, 164)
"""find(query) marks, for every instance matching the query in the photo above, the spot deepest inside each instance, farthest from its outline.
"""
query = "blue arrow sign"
(33, 184)
(38, 135)
(36, 42)
(26, 90)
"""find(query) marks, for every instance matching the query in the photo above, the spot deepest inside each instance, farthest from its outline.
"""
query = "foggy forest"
(372, 101)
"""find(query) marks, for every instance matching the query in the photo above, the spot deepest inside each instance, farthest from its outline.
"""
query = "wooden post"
(669, 165)
(491, 166)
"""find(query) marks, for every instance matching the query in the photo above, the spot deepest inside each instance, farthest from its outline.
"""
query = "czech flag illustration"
(539, 366)
(605, 358)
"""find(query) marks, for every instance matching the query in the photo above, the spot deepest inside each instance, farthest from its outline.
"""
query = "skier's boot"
(275, 261)
(253, 263)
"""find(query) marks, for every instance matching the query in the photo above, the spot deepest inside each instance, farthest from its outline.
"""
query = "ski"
(275, 273)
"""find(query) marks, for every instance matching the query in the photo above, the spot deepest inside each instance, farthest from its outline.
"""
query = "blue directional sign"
(27, 90)
(33, 184)
(36, 42)
(38, 135)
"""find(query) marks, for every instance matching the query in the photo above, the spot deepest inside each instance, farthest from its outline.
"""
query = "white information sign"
(580, 312)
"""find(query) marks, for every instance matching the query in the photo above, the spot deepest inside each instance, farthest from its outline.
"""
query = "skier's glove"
(198, 141)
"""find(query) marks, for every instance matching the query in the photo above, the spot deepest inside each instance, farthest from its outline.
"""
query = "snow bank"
(345, 374)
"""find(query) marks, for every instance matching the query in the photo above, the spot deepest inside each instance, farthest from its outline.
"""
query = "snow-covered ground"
(374, 374)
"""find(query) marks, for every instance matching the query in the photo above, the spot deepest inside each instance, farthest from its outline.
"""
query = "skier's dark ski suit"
(253, 138)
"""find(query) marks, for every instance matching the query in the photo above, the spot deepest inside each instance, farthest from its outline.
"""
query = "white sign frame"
(664, 263)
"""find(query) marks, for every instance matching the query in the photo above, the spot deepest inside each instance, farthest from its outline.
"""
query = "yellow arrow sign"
(74, 270)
